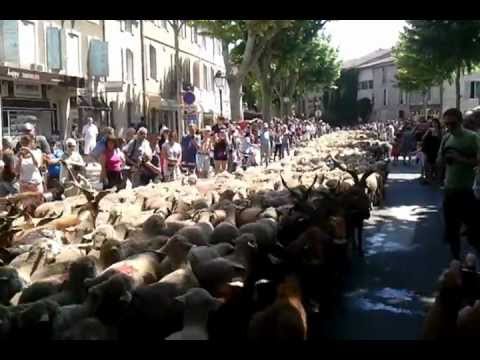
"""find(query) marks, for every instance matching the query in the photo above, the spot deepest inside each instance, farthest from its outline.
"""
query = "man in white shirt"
(89, 133)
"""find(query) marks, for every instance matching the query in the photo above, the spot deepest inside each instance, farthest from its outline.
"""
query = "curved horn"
(311, 186)
(285, 185)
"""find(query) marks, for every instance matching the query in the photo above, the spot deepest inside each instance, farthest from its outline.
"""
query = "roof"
(386, 60)
(373, 56)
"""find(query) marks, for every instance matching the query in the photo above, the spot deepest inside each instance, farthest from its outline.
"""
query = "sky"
(356, 38)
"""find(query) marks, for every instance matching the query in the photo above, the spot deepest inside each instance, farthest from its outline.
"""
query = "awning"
(39, 77)
(26, 105)
(157, 102)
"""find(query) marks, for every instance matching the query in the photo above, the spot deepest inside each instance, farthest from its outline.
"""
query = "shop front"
(161, 112)
(30, 96)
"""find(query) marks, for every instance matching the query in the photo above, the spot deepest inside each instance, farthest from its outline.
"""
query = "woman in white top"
(172, 151)
(28, 166)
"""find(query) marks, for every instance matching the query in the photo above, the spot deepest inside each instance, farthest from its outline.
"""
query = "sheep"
(198, 303)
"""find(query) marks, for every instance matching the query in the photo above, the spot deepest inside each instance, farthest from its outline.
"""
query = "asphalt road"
(389, 289)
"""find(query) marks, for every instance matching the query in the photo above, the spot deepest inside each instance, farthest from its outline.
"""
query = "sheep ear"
(182, 298)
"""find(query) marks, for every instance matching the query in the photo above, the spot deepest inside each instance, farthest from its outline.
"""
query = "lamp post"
(219, 83)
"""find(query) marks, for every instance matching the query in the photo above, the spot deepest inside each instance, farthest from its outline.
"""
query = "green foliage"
(341, 104)
(431, 51)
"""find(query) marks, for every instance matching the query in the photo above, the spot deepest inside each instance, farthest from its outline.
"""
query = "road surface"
(388, 291)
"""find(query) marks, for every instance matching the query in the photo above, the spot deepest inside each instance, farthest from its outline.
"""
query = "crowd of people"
(36, 165)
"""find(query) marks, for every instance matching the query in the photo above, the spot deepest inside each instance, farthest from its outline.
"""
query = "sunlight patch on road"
(403, 176)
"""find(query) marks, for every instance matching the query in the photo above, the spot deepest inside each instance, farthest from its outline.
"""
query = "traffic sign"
(189, 98)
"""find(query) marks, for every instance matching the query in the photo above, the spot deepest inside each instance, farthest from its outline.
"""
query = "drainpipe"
(143, 72)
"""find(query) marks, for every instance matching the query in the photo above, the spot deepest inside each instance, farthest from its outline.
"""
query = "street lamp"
(219, 83)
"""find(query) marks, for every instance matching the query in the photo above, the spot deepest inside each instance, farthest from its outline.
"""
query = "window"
(474, 89)
(196, 74)
(73, 54)
(28, 45)
(205, 77)
(366, 84)
(164, 24)
(129, 26)
(402, 97)
(186, 72)
(195, 35)
(184, 31)
(385, 100)
(204, 41)
(129, 61)
(212, 78)
(384, 76)
(153, 62)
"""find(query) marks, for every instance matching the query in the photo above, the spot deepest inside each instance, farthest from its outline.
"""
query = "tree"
(243, 42)
(283, 51)
(177, 26)
(448, 47)
(317, 67)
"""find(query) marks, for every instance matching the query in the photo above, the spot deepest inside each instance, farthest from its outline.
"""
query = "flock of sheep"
(242, 255)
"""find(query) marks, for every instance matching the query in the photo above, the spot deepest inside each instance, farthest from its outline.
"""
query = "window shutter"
(98, 58)
(54, 53)
(63, 48)
(147, 61)
(10, 41)
(122, 25)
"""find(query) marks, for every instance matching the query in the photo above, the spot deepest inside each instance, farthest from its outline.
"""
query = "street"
(388, 291)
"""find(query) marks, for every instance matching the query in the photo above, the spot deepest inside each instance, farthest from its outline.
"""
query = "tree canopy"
(431, 51)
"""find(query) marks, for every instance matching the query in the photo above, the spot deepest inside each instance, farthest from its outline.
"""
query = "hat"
(208, 128)
(28, 126)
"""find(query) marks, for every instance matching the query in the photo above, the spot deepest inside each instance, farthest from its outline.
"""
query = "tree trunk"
(458, 74)
(267, 96)
(235, 86)
(441, 99)
(178, 80)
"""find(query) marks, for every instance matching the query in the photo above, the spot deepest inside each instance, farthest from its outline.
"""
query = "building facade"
(44, 68)
(377, 84)
(120, 72)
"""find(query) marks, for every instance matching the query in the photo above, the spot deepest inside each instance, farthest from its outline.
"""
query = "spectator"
(430, 145)
(203, 154)
(158, 150)
(265, 145)
(113, 162)
(278, 141)
(173, 154)
(138, 152)
(459, 151)
(28, 166)
(285, 140)
(8, 176)
(189, 149)
(219, 125)
(54, 166)
(75, 163)
(220, 151)
(101, 145)
(38, 140)
(89, 133)
(408, 143)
